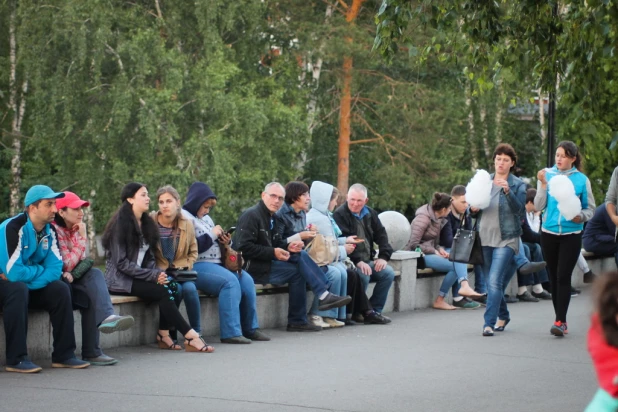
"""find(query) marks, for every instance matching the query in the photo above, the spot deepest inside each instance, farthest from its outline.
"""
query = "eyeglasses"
(275, 197)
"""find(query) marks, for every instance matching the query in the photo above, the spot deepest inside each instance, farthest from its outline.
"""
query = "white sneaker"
(316, 320)
(333, 323)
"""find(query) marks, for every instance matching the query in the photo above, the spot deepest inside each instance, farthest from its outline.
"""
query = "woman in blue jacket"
(561, 239)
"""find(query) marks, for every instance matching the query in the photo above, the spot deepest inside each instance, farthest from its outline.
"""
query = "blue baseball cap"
(38, 192)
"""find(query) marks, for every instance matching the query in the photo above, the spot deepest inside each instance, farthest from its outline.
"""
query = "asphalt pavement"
(426, 360)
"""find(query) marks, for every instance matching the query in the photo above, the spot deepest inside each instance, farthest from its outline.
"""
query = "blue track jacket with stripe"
(23, 259)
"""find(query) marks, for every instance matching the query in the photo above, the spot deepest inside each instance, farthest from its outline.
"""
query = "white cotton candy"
(562, 189)
(478, 191)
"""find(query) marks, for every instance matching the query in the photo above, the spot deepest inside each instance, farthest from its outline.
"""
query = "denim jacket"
(511, 208)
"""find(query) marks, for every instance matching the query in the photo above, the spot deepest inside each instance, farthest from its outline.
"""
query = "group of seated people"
(43, 264)
(436, 224)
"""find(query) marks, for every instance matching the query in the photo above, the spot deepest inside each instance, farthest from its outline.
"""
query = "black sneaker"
(531, 267)
(258, 336)
(303, 327)
(332, 301)
(589, 277)
(480, 299)
(467, 303)
(375, 318)
(575, 292)
(545, 295)
(510, 299)
(527, 297)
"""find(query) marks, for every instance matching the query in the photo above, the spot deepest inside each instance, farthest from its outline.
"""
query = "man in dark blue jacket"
(30, 271)
(600, 234)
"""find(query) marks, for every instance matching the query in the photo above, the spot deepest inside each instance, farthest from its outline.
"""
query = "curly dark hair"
(124, 228)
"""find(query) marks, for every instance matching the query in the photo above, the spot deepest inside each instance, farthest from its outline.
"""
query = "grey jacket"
(612, 190)
(121, 267)
(319, 214)
(426, 229)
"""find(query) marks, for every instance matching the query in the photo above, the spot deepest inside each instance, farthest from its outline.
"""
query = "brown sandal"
(205, 349)
(163, 345)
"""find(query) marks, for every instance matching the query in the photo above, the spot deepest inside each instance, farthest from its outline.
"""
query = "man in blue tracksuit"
(30, 271)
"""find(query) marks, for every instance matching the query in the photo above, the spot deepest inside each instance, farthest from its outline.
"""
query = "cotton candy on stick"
(562, 189)
(478, 191)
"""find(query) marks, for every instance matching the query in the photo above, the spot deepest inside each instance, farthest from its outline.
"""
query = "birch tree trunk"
(542, 118)
(486, 148)
(89, 218)
(17, 104)
(474, 164)
(312, 105)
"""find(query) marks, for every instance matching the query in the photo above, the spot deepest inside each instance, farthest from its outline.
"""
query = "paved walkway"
(424, 361)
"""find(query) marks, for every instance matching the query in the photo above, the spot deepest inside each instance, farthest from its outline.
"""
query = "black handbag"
(181, 274)
(467, 246)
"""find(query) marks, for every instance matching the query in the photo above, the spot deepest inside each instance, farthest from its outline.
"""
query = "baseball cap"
(71, 200)
(38, 192)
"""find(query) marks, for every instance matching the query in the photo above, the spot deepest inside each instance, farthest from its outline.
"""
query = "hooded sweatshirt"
(320, 216)
(208, 250)
(553, 221)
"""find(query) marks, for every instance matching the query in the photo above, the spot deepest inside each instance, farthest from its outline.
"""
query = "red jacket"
(604, 358)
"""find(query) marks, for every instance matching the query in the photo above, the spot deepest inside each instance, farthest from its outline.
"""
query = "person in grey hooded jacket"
(323, 201)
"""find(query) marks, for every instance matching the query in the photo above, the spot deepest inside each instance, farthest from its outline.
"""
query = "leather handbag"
(467, 246)
(232, 260)
(181, 274)
(323, 249)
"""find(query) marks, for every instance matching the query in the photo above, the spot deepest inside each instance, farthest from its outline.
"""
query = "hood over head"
(320, 193)
(198, 193)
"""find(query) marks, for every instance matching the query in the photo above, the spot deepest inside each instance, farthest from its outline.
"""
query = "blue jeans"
(297, 271)
(455, 272)
(498, 268)
(92, 285)
(338, 278)
(383, 279)
(237, 312)
(480, 285)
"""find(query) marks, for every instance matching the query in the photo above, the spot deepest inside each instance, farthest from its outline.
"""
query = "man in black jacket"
(268, 261)
(355, 218)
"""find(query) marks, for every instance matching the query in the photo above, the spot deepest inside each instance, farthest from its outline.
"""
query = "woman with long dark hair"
(131, 241)
(561, 239)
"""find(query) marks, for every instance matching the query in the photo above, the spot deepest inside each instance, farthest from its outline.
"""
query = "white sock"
(323, 295)
(521, 290)
(458, 298)
(538, 288)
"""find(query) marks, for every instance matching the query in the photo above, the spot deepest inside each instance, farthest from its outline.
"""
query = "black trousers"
(169, 315)
(55, 298)
(360, 301)
(561, 253)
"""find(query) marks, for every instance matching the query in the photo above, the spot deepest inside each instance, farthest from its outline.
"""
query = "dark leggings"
(169, 315)
(561, 253)
(360, 301)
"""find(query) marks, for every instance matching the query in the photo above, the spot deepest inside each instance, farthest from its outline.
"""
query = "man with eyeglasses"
(270, 259)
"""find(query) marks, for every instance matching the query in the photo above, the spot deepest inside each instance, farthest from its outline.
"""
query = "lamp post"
(551, 116)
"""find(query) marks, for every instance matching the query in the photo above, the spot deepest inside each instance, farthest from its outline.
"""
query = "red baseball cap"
(71, 200)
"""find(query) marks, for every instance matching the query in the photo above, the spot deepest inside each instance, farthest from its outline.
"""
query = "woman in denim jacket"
(499, 229)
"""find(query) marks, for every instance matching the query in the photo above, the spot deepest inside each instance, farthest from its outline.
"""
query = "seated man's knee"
(60, 289)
